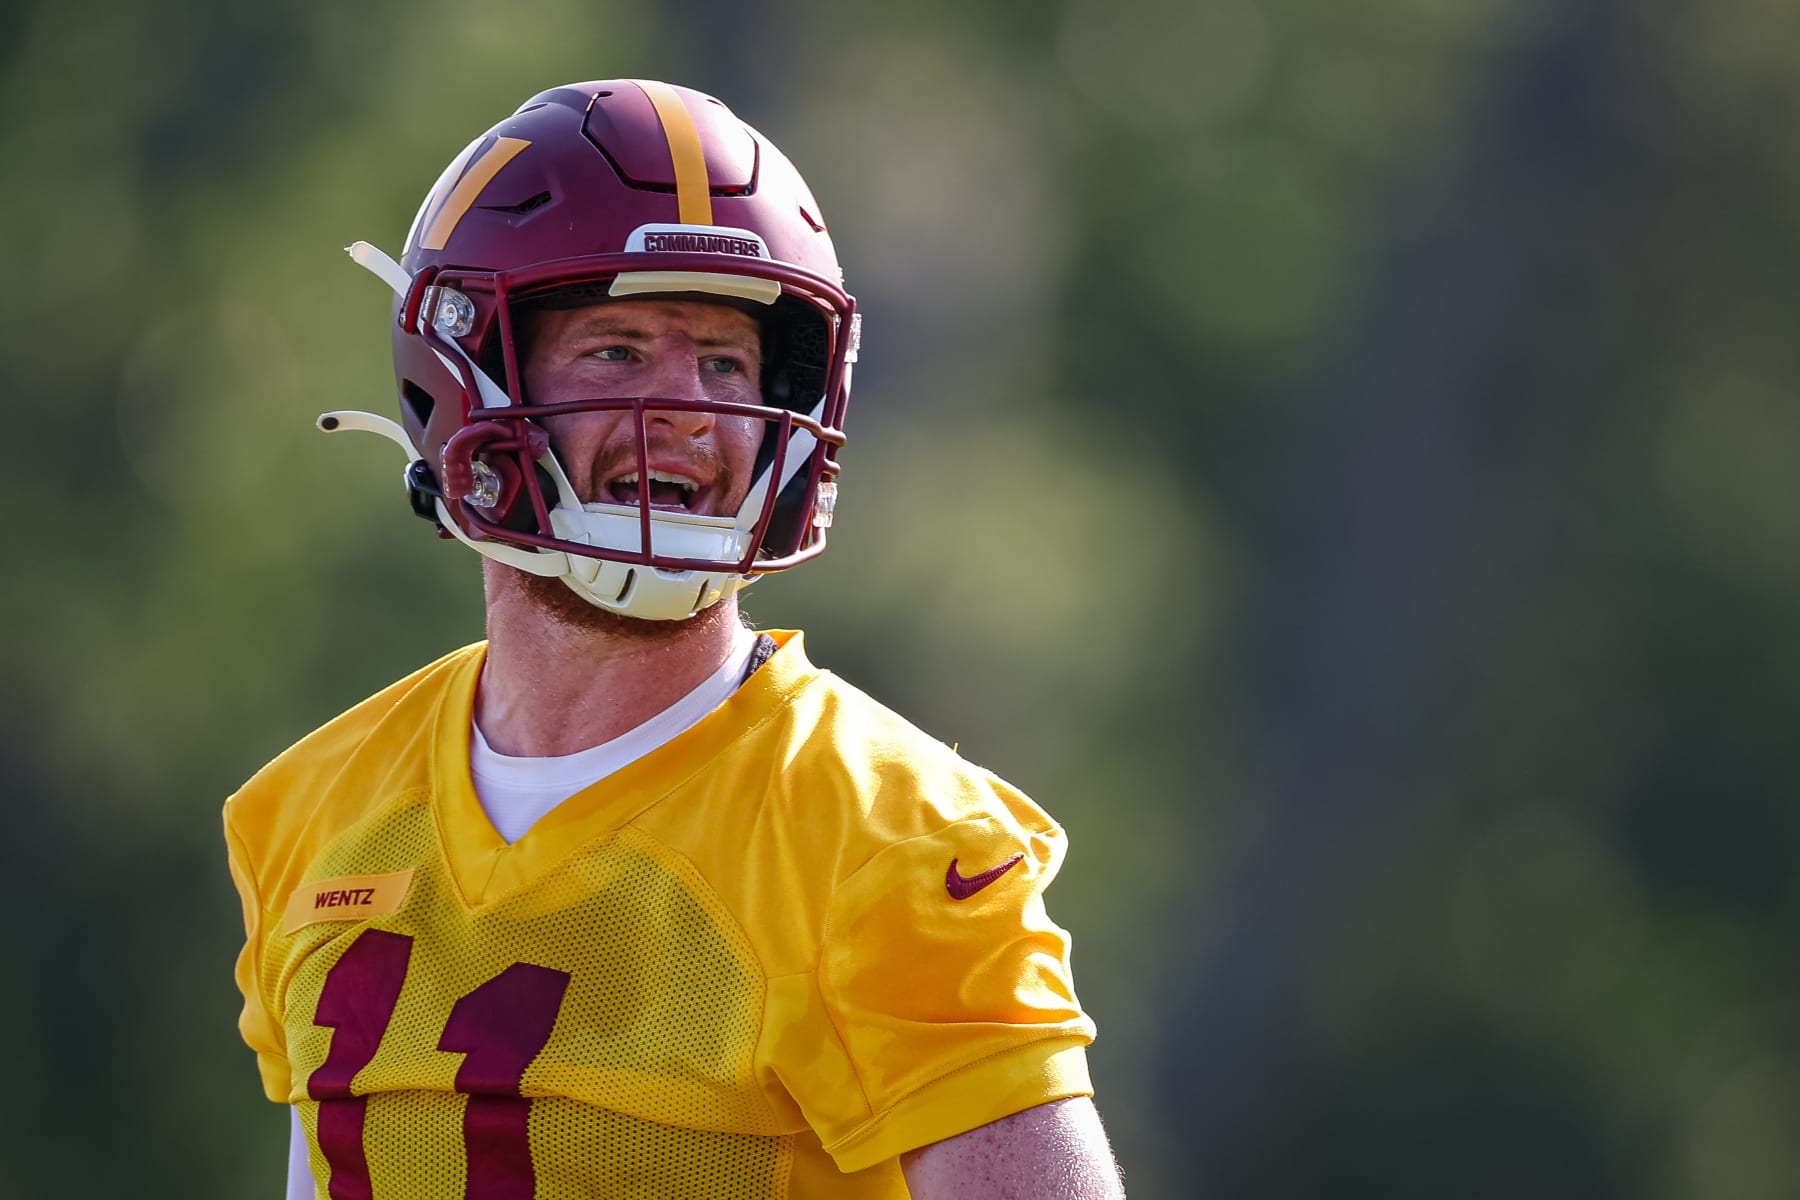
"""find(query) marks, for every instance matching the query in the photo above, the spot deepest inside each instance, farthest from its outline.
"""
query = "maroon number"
(501, 1026)
(356, 1003)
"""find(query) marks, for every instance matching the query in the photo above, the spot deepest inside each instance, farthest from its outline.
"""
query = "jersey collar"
(486, 868)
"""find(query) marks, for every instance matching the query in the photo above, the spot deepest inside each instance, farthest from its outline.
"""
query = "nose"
(675, 374)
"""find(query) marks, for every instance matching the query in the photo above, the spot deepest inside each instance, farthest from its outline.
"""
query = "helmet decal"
(693, 190)
(445, 181)
(696, 239)
(479, 174)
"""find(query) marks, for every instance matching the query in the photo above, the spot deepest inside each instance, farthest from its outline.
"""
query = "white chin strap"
(632, 590)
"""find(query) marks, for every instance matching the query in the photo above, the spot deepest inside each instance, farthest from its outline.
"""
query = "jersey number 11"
(499, 1028)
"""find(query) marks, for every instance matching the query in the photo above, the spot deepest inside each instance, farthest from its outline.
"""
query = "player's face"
(699, 462)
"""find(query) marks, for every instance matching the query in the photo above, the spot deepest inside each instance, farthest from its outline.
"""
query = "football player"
(630, 900)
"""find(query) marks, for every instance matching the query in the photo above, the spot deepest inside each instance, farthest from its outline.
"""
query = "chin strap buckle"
(423, 492)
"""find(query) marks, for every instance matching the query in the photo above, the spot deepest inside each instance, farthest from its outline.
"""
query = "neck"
(560, 679)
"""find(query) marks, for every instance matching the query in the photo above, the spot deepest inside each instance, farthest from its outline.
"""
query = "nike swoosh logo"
(961, 887)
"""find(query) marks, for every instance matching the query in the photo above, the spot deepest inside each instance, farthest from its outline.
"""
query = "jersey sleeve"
(949, 988)
(258, 1026)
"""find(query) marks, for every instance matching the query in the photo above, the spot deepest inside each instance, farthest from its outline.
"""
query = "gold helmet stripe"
(459, 201)
(693, 187)
(434, 199)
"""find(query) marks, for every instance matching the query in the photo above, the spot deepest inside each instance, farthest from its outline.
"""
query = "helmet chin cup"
(620, 527)
(648, 593)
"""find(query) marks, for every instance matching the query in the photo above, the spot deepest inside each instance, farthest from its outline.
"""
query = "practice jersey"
(763, 960)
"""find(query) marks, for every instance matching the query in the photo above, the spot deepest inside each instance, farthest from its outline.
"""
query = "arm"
(1056, 1151)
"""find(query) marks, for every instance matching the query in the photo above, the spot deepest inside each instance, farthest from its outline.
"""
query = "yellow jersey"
(763, 960)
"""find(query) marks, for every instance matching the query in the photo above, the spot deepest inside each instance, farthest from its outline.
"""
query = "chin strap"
(362, 422)
(549, 563)
(377, 262)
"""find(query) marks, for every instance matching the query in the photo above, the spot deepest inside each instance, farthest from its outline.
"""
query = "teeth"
(686, 484)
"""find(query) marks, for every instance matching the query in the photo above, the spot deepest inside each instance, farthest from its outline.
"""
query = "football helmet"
(590, 192)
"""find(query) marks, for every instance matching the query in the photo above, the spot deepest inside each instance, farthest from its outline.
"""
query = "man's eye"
(613, 353)
(723, 366)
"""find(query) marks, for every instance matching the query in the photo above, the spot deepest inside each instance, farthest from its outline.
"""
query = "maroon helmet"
(590, 192)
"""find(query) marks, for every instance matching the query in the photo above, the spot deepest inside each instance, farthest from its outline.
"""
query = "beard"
(552, 598)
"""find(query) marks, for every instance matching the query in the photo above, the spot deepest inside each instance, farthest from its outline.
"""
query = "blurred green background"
(1338, 455)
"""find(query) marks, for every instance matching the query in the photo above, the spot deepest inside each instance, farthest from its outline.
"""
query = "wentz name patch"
(347, 898)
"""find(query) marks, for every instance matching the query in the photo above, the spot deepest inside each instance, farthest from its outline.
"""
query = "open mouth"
(666, 490)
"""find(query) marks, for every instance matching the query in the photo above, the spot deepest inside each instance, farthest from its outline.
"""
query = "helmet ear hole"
(417, 400)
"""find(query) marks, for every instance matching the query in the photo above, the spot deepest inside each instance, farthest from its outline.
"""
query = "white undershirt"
(517, 792)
